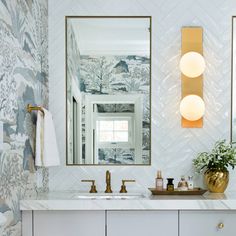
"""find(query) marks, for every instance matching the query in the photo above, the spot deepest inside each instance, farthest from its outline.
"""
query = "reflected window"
(113, 130)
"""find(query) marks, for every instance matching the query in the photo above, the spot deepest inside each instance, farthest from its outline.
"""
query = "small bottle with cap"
(190, 182)
(159, 181)
(170, 186)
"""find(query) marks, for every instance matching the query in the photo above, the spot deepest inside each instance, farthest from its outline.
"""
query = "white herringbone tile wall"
(173, 147)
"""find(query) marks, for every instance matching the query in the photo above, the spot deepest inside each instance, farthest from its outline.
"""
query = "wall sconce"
(192, 66)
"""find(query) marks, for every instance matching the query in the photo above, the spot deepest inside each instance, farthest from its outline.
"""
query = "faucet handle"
(123, 187)
(93, 186)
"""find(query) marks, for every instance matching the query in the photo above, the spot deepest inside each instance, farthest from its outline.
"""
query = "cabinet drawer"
(71, 223)
(142, 223)
(207, 223)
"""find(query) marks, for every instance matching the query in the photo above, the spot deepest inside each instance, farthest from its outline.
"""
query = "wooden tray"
(195, 191)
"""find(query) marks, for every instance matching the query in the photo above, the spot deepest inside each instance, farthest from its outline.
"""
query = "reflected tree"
(137, 78)
(97, 74)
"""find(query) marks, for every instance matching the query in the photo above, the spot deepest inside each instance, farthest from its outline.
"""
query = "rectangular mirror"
(108, 90)
(233, 85)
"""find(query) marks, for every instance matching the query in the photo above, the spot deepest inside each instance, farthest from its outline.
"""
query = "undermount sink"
(114, 196)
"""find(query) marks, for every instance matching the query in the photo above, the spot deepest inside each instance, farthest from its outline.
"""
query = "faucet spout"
(108, 182)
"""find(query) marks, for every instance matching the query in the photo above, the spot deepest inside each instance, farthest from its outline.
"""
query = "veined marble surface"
(71, 201)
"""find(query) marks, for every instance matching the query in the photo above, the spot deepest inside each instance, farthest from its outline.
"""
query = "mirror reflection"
(233, 95)
(233, 102)
(108, 90)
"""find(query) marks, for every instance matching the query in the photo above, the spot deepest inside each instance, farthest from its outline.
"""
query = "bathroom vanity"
(79, 214)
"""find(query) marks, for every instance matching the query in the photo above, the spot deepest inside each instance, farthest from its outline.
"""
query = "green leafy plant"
(222, 156)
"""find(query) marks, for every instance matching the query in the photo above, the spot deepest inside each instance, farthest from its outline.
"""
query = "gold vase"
(216, 180)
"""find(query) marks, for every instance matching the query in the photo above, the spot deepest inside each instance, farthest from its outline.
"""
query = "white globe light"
(192, 107)
(192, 64)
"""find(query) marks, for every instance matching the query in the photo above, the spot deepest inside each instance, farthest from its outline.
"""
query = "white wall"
(173, 147)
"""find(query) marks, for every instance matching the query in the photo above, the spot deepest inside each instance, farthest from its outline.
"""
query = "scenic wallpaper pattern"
(23, 80)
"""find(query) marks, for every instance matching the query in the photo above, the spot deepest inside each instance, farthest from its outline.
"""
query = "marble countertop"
(71, 201)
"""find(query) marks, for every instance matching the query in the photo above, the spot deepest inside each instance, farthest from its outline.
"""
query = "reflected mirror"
(233, 102)
(108, 86)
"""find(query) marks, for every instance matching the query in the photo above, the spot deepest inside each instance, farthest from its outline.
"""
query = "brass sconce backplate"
(192, 41)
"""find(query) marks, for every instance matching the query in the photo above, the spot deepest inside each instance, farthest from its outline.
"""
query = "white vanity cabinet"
(100, 223)
(129, 223)
(62, 223)
(207, 223)
(142, 223)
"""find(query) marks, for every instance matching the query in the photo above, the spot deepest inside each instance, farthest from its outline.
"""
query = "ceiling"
(112, 36)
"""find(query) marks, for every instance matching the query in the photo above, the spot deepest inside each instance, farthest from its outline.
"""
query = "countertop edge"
(136, 204)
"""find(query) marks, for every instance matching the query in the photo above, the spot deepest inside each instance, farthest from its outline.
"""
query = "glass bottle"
(159, 181)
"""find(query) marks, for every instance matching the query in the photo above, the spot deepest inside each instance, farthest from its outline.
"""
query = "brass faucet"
(108, 182)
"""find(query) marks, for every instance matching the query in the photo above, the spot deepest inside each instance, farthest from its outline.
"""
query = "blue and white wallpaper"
(23, 80)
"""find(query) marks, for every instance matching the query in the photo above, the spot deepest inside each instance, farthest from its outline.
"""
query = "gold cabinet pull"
(93, 186)
(221, 226)
(123, 187)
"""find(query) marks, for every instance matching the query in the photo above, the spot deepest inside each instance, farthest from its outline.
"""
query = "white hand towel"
(39, 140)
(46, 145)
